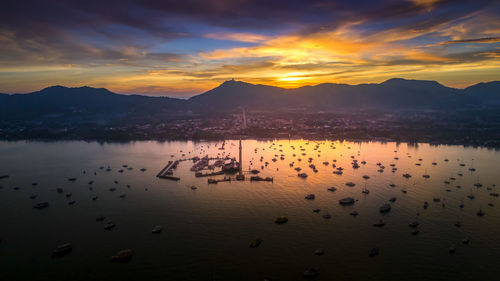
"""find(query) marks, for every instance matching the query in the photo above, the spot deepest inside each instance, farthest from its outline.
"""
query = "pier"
(166, 172)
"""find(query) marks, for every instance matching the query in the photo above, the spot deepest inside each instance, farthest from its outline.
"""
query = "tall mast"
(241, 163)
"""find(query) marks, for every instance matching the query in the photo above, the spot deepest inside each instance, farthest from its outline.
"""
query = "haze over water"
(207, 231)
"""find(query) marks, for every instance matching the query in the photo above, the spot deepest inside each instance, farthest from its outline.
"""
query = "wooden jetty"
(200, 174)
(212, 181)
(167, 177)
(166, 172)
(257, 178)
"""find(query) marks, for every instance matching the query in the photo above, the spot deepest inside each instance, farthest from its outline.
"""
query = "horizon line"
(254, 84)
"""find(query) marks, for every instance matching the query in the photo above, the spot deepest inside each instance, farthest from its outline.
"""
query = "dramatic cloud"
(180, 48)
(477, 40)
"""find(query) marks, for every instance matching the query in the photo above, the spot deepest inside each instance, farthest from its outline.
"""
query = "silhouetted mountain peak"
(234, 83)
(73, 91)
(411, 82)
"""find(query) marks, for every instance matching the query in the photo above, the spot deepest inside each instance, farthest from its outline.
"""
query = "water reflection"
(206, 231)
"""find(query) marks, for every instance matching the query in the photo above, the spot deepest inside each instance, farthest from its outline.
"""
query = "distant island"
(395, 110)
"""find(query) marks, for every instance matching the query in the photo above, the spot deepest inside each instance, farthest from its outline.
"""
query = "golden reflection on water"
(212, 225)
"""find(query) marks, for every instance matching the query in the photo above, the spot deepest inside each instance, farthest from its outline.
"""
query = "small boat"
(385, 208)
(123, 256)
(123, 195)
(319, 252)
(302, 175)
(346, 201)
(350, 184)
(310, 273)
(255, 242)
(281, 220)
(316, 210)
(413, 224)
(72, 202)
(373, 252)
(72, 179)
(332, 189)
(426, 205)
(59, 190)
(392, 199)
(327, 216)
(465, 241)
(480, 213)
(68, 195)
(157, 229)
(380, 223)
(415, 231)
(437, 200)
(94, 198)
(143, 170)
(452, 249)
(100, 218)
(193, 187)
(310, 196)
(33, 196)
(407, 176)
(41, 205)
(354, 213)
(62, 250)
(109, 226)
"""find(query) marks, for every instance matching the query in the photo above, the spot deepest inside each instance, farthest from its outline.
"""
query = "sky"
(182, 48)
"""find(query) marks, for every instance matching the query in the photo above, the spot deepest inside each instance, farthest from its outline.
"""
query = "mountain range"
(391, 95)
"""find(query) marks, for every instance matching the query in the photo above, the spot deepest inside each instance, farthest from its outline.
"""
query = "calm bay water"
(207, 231)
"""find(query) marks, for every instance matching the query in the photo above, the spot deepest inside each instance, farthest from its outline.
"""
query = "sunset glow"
(184, 49)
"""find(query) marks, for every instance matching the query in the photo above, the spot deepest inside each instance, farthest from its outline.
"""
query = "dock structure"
(164, 168)
(166, 172)
(200, 174)
(240, 176)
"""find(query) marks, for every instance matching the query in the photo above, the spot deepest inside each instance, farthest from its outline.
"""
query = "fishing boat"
(385, 208)
(255, 242)
(310, 273)
(281, 220)
(62, 250)
(157, 229)
(346, 201)
(41, 205)
(373, 252)
(310, 196)
(109, 226)
(123, 256)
